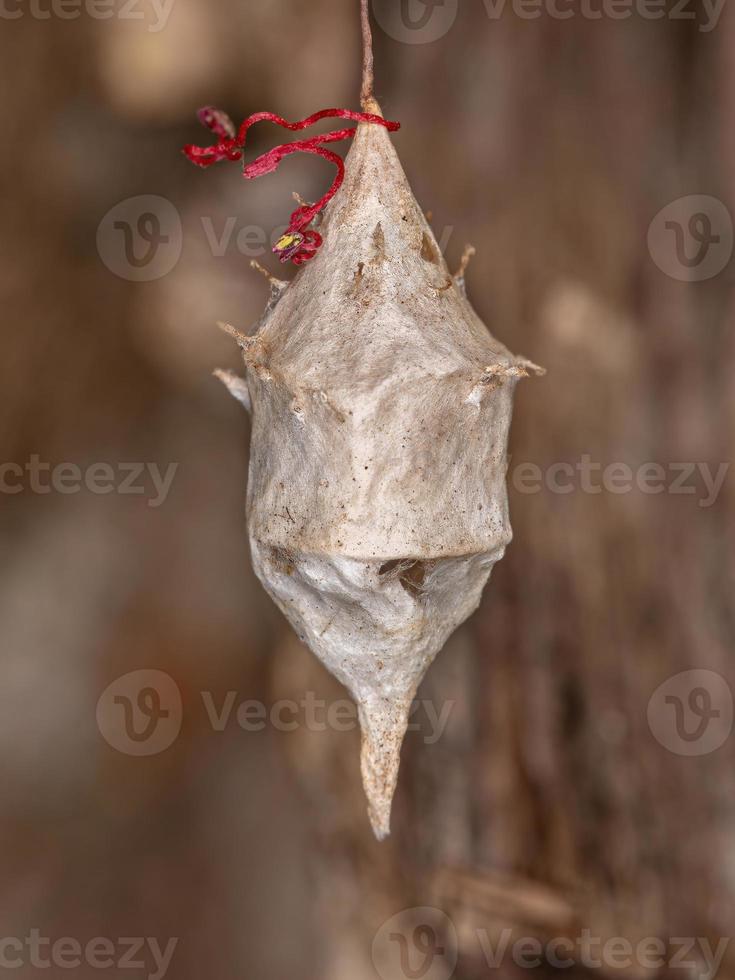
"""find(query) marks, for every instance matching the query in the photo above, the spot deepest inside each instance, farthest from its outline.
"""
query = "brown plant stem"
(367, 97)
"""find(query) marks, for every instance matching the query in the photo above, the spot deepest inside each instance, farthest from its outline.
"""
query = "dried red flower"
(299, 243)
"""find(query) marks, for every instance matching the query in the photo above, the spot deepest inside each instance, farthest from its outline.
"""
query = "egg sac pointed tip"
(383, 722)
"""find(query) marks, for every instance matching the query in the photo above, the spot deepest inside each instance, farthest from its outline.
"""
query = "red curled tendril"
(299, 243)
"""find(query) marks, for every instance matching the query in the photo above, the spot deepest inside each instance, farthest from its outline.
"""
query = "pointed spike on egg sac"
(242, 339)
(383, 723)
(381, 404)
(279, 284)
(236, 386)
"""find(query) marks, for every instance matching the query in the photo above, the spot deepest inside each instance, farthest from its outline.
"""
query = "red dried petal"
(232, 147)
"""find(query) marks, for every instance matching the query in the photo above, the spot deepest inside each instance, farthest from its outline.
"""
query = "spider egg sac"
(376, 499)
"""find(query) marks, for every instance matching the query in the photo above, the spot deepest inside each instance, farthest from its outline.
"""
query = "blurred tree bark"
(547, 805)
